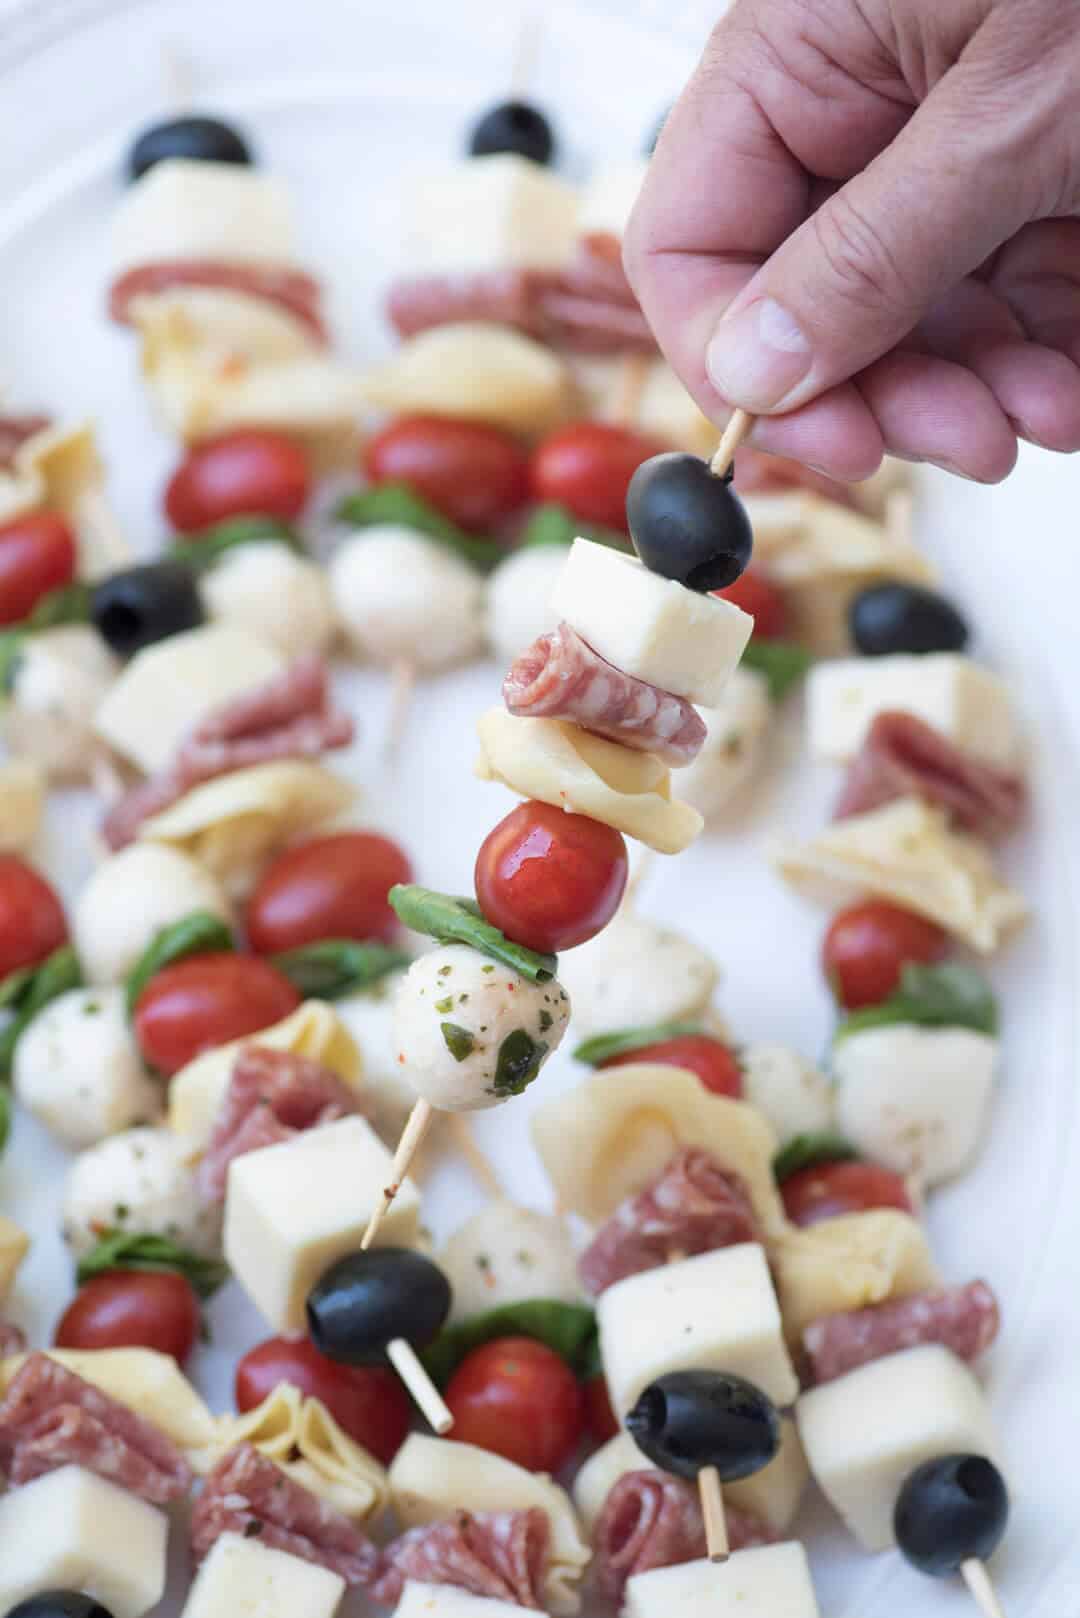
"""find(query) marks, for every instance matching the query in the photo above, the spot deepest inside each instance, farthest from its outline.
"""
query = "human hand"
(862, 223)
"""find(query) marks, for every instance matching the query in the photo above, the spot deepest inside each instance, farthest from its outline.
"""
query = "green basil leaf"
(602, 1047)
(5, 1115)
(460, 921)
(568, 1329)
(781, 662)
(12, 642)
(807, 1151)
(70, 604)
(198, 934)
(397, 503)
(200, 551)
(338, 966)
(552, 524)
(55, 976)
(519, 1060)
(13, 987)
(460, 1042)
(127, 1250)
(953, 995)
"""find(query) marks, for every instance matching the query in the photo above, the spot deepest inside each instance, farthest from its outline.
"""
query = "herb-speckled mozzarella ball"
(635, 974)
(60, 678)
(508, 1254)
(518, 594)
(141, 1180)
(401, 598)
(77, 1069)
(470, 1032)
(130, 897)
(794, 1096)
(281, 597)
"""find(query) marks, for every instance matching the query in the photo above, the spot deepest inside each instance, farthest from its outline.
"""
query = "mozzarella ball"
(369, 1018)
(507, 1254)
(634, 974)
(130, 898)
(518, 596)
(734, 745)
(402, 598)
(281, 597)
(60, 677)
(77, 1069)
(470, 1032)
(139, 1181)
(795, 1097)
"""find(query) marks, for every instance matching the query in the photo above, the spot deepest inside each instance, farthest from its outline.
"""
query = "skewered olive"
(200, 140)
(59, 1604)
(513, 126)
(367, 1300)
(890, 618)
(951, 1510)
(688, 524)
(145, 604)
(689, 1420)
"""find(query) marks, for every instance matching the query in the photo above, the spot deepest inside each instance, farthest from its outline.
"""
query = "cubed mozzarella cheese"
(404, 598)
(59, 680)
(608, 199)
(850, 1262)
(476, 370)
(772, 1581)
(492, 213)
(636, 973)
(140, 1180)
(243, 1579)
(71, 1530)
(130, 898)
(77, 1068)
(14, 1246)
(651, 627)
(518, 592)
(795, 1097)
(443, 1601)
(222, 213)
(266, 589)
(508, 1254)
(291, 1211)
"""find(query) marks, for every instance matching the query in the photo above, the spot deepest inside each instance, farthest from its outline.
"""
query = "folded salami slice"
(247, 1494)
(903, 757)
(298, 293)
(561, 677)
(499, 1555)
(964, 1319)
(694, 1207)
(52, 1418)
(503, 297)
(14, 431)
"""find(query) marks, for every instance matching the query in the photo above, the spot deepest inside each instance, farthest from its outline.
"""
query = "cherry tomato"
(713, 1062)
(476, 475)
(828, 1189)
(599, 1416)
(332, 887)
(762, 600)
(238, 474)
(37, 554)
(133, 1309)
(550, 880)
(516, 1397)
(368, 1403)
(588, 466)
(208, 1000)
(868, 945)
(32, 921)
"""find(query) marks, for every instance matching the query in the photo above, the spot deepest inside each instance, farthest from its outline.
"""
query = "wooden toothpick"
(979, 1583)
(477, 1161)
(417, 1126)
(403, 683)
(712, 1506)
(734, 433)
(403, 1358)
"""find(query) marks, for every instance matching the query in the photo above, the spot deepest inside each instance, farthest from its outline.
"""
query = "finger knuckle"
(859, 261)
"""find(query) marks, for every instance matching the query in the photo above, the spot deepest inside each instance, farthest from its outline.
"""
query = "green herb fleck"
(520, 1060)
(545, 1020)
(445, 1005)
(459, 1041)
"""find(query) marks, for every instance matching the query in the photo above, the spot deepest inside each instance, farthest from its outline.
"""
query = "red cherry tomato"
(32, 921)
(37, 554)
(133, 1309)
(829, 1189)
(368, 1403)
(599, 1416)
(550, 880)
(713, 1062)
(588, 466)
(332, 887)
(762, 600)
(516, 1397)
(476, 475)
(237, 474)
(867, 947)
(208, 1000)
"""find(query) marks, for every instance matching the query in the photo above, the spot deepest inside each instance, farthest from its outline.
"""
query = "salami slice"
(499, 1555)
(503, 297)
(298, 293)
(694, 1207)
(758, 473)
(561, 677)
(52, 1418)
(904, 757)
(14, 432)
(12, 1339)
(964, 1319)
(247, 1494)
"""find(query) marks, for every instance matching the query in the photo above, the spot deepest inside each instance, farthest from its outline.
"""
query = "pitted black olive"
(367, 1300)
(690, 1420)
(890, 618)
(688, 524)
(59, 1604)
(145, 604)
(513, 126)
(199, 139)
(952, 1510)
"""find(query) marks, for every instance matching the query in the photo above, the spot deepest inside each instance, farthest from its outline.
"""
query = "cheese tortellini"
(22, 805)
(477, 371)
(849, 1262)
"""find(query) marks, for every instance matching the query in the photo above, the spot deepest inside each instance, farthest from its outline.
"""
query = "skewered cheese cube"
(651, 627)
(492, 213)
(293, 1210)
(865, 1433)
(71, 1530)
(243, 1579)
(217, 212)
(850, 1262)
(772, 1581)
(717, 1312)
(608, 200)
(965, 702)
(443, 1601)
(14, 1246)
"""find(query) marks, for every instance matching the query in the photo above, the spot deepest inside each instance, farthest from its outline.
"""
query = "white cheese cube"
(444, 1601)
(243, 1579)
(293, 1210)
(651, 627)
(716, 1312)
(608, 200)
(772, 1581)
(865, 1433)
(492, 213)
(965, 702)
(167, 689)
(71, 1530)
(217, 212)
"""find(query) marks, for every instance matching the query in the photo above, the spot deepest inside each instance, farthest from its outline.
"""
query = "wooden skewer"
(978, 1582)
(403, 1358)
(417, 1126)
(645, 861)
(403, 683)
(899, 509)
(712, 1506)
(734, 433)
(477, 1160)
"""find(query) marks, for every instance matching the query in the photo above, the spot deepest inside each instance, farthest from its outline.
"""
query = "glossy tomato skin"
(32, 920)
(37, 554)
(714, 1063)
(368, 1403)
(753, 592)
(243, 473)
(867, 946)
(516, 1397)
(208, 1000)
(331, 887)
(474, 474)
(550, 880)
(827, 1190)
(588, 466)
(599, 1416)
(133, 1309)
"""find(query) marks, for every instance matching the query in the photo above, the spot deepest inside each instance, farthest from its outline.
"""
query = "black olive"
(951, 1510)
(59, 1604)
(687, 524)
(513, 126)
(366, 1300)
(891, 618)
(692, 1419)
(202, 140)
(145, 604)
